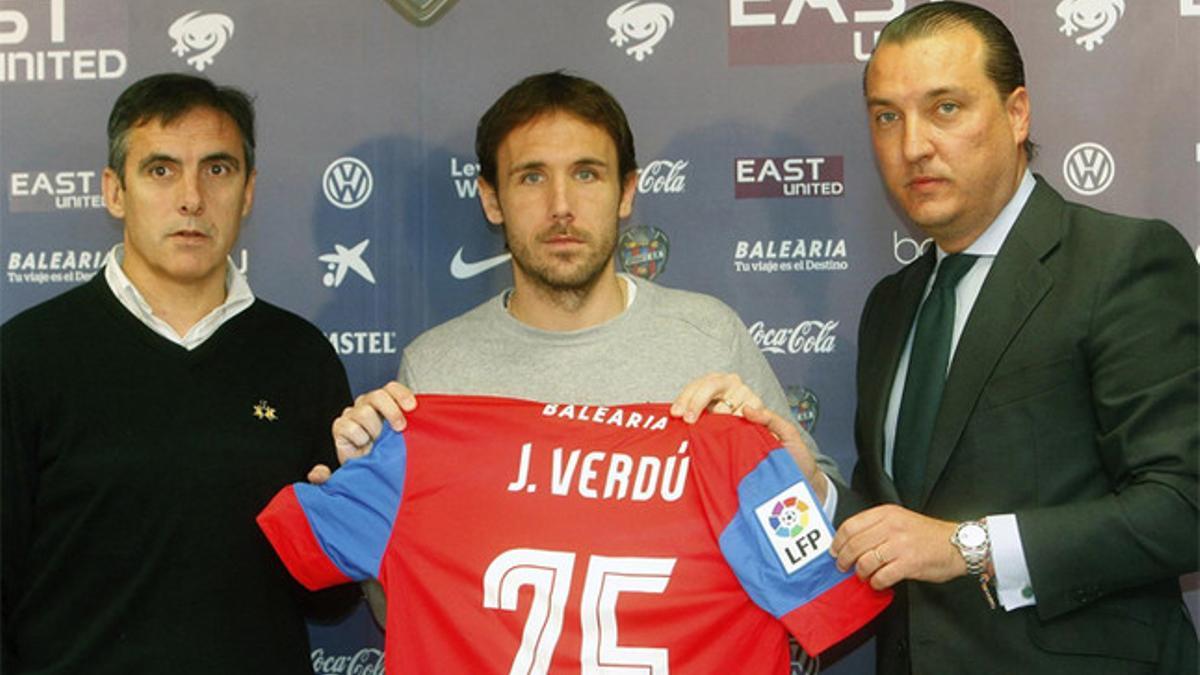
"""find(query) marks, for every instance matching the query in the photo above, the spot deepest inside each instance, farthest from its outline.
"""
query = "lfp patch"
(795, 526)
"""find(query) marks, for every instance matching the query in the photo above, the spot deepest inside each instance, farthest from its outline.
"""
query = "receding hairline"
(945, 25)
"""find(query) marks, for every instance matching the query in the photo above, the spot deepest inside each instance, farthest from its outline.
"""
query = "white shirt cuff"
(831, 498)
(1013, 585)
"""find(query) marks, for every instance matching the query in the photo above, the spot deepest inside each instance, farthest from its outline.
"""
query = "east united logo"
(769, 177)
(795, 526)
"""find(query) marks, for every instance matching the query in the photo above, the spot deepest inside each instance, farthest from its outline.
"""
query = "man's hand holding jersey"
(725, 393)
(356, 430)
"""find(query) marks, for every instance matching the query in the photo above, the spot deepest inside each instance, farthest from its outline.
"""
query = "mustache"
(560, 229)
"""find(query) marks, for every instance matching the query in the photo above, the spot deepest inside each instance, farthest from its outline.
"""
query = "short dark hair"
(551, 92)
(1004, 65)
(167, 97)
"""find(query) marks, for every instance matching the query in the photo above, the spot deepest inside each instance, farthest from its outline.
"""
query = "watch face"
(972, 536)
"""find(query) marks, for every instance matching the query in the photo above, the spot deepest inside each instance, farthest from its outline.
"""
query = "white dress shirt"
(238, 297)
(1013, 585)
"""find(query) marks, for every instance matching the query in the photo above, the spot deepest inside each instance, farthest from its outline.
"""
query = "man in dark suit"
(1027, 408)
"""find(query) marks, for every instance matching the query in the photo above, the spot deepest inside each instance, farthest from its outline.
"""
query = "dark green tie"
(926, 378)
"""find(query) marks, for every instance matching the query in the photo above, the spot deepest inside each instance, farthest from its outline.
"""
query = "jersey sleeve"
(337, 532)
(776, 539)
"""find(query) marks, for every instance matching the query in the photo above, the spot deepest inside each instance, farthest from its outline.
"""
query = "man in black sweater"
(138, 445)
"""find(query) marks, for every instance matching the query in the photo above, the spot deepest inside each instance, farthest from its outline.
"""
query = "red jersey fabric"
(521, 537)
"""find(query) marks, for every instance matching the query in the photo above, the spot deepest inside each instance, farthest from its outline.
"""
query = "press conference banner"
(757, 183)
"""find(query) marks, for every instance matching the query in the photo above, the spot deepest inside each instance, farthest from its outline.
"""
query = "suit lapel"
(897, 309)
(996, 318)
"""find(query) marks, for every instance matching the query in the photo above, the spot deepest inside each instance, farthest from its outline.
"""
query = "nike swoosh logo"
(460, 269)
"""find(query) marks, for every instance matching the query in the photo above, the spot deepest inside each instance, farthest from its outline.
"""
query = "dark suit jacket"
(1071, 402)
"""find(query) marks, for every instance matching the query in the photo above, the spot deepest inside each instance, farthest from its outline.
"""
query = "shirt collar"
(988, 244)
(631, 290)
(238, 297)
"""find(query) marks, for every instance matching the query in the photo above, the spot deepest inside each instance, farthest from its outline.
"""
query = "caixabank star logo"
(422, 12)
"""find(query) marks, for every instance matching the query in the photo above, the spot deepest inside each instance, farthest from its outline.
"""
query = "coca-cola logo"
(663, 176)
(366, 661)
(806, 337)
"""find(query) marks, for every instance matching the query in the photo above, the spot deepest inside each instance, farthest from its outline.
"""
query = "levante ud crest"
(644, 251)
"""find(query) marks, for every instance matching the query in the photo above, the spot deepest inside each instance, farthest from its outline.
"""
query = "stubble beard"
(566, 285)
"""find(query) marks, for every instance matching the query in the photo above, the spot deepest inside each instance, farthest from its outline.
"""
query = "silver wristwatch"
(971, 540)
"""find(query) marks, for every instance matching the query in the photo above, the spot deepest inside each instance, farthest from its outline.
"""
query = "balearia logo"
(53, 267)
(767, 256)
(31, 191)
(343, 260)
(806, 31)
(366, 661)
(663, 176)
(1094, 18)
(422, 12)
(1089, 168)
(70, 266)
(347, 182)
(767, 177)
(641, 23)
(461, 269)
(205, 34)
(34, 46)
(907, 249)
(805, 406)
(795, 527)
(644, 251)
(465, 174)
(806, 337)
(352, 342)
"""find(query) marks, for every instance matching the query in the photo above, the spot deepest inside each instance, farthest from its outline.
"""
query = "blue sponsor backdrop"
(758, 184)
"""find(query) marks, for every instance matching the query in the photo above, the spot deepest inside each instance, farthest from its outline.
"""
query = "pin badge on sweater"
(263, 411)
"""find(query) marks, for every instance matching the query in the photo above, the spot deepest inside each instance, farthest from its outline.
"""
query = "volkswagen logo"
(1089, 168)
(347, 182)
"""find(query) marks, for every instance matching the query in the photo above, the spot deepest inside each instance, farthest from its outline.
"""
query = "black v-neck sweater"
(132, 471)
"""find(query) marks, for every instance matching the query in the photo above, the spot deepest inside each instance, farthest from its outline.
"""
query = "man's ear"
(1017, 106)
(628, 190)
(248, 193)
(490, 200)
(114, 193)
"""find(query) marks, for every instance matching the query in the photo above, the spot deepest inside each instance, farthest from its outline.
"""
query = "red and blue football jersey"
(521, 537)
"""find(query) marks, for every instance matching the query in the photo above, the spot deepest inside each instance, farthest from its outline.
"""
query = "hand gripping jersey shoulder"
(521, 537)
